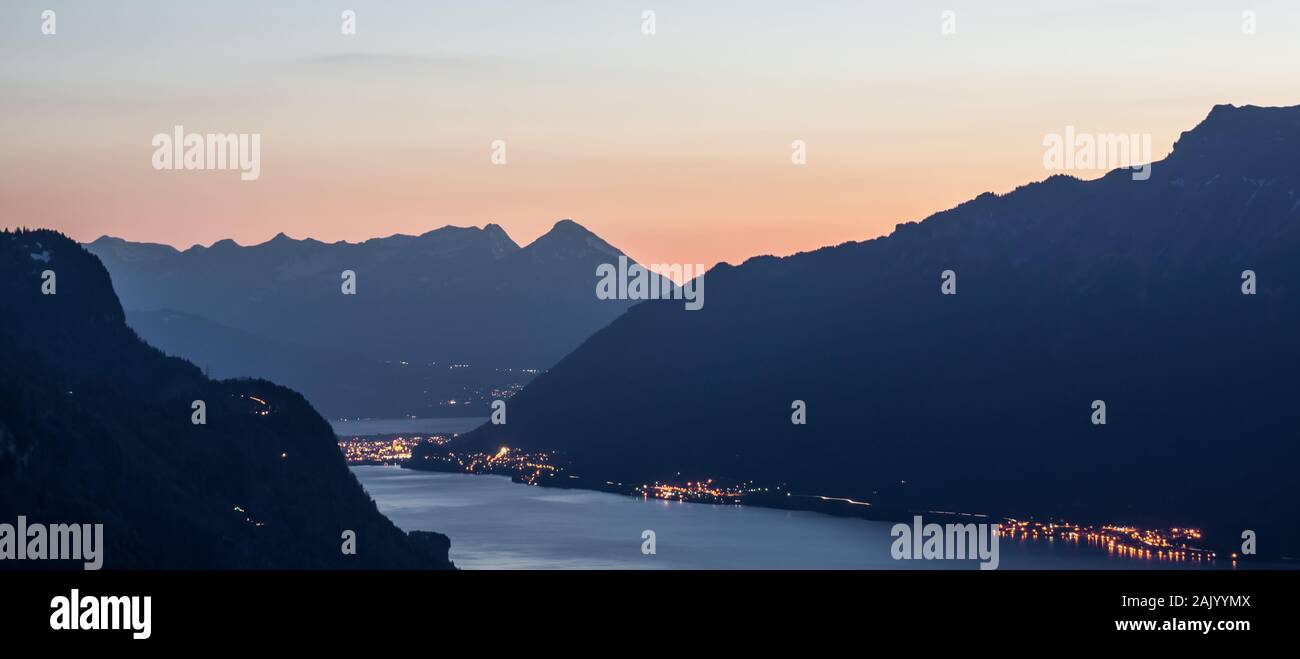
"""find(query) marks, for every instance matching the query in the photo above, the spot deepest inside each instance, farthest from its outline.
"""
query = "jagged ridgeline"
(96, 427)
(459, 293)
(454, 295)
(1121, 290)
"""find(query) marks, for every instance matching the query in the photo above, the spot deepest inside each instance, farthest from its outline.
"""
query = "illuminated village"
(524, 467)
(1122, 541)
(385, 450)
(698, 491)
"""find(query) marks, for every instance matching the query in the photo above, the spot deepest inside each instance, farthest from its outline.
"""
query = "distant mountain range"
(449, 315)
(1067, 292)
(96, 428)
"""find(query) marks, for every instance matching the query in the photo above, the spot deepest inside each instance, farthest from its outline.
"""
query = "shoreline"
(840, 507)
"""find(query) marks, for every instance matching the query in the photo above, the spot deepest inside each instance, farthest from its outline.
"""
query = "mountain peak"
(26, 254)
(1234, 117)
(568, 239)
(491, 231)
(126, 250)
(500, 241)
(280, 239)
(567, 229)
(1238, 135)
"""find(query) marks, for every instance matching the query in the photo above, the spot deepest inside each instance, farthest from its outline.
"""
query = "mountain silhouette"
(450, 296)
(1067, 292)
(96, 427)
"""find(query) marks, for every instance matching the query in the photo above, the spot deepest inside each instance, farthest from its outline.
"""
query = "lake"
(497, 524)
(363, 427)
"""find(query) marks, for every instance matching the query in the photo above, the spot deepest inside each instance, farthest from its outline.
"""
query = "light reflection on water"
(496, 524)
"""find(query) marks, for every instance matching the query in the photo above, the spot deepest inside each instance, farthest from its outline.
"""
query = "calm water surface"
(362, 427)
(496, 524)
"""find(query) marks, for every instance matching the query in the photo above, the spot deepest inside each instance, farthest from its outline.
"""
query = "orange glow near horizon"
(695, 209)
(675, 148)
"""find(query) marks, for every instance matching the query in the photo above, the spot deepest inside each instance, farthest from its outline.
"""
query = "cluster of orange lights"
(530, 467)
(692, 491)
(395, 450)
(1123, 541)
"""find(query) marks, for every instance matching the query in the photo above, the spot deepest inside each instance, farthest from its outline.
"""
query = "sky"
(674, 146)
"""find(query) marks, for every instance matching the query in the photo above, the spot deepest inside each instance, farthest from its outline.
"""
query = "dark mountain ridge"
(453, 314)
(454, 293)
(1068, 291)
(95, 428)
